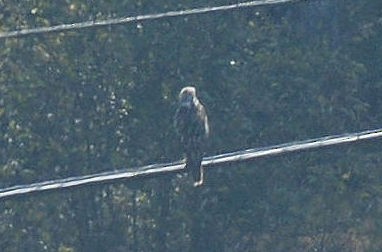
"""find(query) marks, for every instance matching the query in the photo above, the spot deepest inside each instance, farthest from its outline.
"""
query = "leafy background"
(92, 100)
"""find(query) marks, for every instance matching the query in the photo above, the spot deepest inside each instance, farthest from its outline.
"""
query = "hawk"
(191, 123)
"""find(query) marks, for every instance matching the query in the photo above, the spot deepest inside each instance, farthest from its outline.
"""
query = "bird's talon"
(199, 183)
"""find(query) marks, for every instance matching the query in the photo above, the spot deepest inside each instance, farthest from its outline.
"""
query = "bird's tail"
(194, 164)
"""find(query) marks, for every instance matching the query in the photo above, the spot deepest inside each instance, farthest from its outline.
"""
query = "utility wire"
(208, 162)
(123, 20)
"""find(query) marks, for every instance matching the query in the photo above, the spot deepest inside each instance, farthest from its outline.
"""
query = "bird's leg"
(200, 182)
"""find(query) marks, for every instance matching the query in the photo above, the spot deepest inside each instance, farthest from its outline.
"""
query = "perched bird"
(191, 123)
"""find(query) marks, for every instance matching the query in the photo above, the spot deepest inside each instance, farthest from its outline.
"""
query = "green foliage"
(92, 100)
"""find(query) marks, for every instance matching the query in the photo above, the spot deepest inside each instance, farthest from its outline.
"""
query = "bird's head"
(187, 97)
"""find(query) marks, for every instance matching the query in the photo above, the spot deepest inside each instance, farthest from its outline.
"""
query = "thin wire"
(123, 20)
(208, 162)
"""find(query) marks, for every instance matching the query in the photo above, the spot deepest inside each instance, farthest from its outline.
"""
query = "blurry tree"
(92, 100)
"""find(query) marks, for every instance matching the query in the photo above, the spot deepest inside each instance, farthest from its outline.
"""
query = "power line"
(208, 162)
(123, 20)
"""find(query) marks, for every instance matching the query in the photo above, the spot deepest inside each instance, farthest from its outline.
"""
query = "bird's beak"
(186, 101)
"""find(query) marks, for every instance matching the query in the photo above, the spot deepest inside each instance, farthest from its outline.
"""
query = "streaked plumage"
(191, 123)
